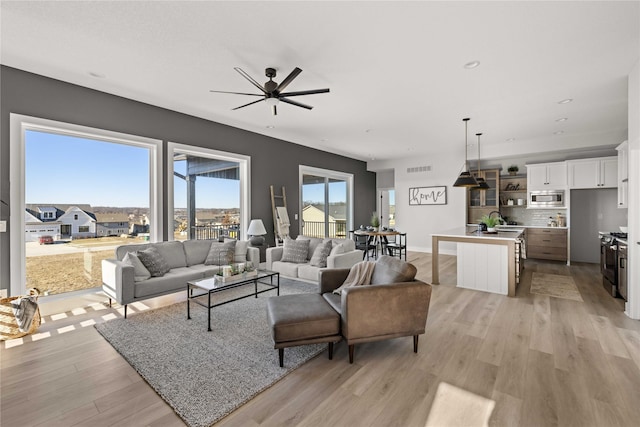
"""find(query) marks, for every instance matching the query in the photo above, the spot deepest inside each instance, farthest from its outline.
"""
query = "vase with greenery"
(513, 169)
(490, 222)
(375, 221)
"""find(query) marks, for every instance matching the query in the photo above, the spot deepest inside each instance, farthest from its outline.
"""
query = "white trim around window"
(245, 179)
(19, 124)
(326, 173)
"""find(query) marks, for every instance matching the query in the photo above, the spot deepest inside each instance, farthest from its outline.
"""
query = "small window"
(75, 217)
(83, 228)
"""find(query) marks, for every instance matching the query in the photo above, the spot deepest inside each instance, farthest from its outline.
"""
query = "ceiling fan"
(272, 92)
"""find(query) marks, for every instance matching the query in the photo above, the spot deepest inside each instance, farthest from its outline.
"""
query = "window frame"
(326, 174)
(244, 162)
(19, 124)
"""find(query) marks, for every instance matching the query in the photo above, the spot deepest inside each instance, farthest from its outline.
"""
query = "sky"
(68, 170)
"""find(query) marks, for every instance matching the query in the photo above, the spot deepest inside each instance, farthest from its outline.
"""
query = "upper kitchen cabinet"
(601, 172)
(483, 202)
(623, 174)
(547, 176)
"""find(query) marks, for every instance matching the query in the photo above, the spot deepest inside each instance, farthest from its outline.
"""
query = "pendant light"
(482, 184)
(465, 179)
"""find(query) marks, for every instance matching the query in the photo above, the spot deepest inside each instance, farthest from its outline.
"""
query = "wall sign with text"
(428, 195)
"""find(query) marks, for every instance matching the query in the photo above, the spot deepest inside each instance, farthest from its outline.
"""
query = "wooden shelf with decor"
(513, 187)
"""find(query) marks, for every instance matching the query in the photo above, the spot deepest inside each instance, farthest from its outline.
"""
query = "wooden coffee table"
(211, 285)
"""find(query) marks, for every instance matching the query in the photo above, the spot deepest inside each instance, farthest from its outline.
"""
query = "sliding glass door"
(326, 202)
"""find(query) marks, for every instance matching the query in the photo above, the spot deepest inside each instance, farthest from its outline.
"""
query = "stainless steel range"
(613, 263)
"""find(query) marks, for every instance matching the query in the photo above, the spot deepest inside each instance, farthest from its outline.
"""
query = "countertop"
(472, 233)
(522, 226)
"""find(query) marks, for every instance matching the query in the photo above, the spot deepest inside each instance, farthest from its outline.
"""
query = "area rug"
(555, 285)
(204, 375)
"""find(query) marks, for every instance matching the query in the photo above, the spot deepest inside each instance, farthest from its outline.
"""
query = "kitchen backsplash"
(532, 217)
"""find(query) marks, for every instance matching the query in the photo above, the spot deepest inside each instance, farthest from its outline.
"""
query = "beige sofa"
(186, 260)
(344, 255)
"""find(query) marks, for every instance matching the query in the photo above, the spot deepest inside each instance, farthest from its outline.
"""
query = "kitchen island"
(488, 262)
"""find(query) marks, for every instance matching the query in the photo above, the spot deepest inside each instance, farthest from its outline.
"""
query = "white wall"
(420, 221)
(633, 305)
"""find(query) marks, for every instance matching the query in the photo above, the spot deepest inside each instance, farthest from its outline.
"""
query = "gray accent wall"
(274, 162)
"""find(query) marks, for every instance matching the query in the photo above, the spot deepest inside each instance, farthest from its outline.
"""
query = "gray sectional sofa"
(343, 255)
(186, 260)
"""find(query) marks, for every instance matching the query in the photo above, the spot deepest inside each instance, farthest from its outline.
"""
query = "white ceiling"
(395, 69)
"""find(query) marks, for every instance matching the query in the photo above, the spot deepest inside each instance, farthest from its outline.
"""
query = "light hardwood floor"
(543, 360)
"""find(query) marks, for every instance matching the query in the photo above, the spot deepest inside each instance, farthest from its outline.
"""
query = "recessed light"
(562, 119)
(97, 75)
(367, 130)
(324, 140)
(510, 139)
(472, 64)
(560, 132)
(270, 126)
(565, 101)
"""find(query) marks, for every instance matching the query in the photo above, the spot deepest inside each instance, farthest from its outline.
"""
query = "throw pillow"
(319, 258)
(313, 244)
(140, 272)
(392, 270)
(295, 251)
(241, 250)
(221, 253)
(337, 249)
(154, 262)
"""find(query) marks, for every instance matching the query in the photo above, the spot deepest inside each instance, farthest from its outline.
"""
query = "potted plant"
(513, 169)
(490, 222)
(375, 221)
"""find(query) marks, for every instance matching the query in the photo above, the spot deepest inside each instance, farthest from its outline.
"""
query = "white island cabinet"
(486, 262)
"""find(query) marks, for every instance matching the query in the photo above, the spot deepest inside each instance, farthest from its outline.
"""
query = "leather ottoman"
(302, 319)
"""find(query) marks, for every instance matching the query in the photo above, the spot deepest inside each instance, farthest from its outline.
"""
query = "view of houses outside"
(84, 197)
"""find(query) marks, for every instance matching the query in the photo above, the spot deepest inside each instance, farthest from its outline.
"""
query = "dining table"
(378, 237)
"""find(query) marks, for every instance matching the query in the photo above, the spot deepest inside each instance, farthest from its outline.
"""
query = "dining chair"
(366, 244)
(398, 247)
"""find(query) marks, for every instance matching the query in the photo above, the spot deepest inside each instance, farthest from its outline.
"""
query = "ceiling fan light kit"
(465, 179)
(272, 92)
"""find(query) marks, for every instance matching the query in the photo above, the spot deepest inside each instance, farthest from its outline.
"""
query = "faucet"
(499, 216)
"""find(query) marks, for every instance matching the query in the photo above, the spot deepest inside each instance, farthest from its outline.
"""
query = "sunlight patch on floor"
(456, 407)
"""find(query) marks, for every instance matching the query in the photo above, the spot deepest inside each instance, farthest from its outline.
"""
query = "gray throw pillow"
(319, 258)
(153, 261)
(241, 250)
(313, 244)
(221, 253)
(140, 272)
(295, 251)
(392, 270)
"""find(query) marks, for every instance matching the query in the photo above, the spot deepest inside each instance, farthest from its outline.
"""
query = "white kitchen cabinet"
(547, 176)
(600, 172)
(623, 173)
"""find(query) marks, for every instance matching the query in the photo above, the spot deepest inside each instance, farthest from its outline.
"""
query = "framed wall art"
(428, 195)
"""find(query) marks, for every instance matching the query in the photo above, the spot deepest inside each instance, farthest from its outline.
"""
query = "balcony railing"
(337, 230)
(202, 232)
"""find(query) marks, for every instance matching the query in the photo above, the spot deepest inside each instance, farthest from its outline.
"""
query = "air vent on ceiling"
(419, 169)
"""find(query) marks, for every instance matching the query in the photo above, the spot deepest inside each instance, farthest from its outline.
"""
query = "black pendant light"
(482, 184)
(465, 179)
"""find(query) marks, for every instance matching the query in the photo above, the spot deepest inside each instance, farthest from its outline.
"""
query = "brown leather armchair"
(394, 305)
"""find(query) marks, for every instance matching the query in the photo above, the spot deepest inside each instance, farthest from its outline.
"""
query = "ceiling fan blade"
(297, 104)
(305, 92)
(275, 110)
(248, 77)
(292, 75)
(246, 105)
(237, 93)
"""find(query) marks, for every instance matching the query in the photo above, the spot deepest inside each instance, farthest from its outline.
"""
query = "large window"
(209, 193)
(327, 205)
(77, 192)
